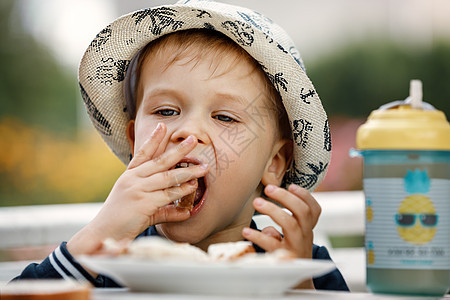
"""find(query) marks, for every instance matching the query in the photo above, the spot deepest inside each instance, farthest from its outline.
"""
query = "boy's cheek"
(143, 131)
(239, 139)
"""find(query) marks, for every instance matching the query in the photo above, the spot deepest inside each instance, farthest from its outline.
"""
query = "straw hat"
(103, 69)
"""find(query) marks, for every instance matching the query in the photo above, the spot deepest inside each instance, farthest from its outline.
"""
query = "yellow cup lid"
(405, 126)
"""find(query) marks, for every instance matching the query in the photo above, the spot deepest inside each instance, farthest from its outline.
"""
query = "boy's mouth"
(201, 188)
(200, 192)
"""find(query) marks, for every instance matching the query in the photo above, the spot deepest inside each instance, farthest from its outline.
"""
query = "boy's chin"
(180, 233)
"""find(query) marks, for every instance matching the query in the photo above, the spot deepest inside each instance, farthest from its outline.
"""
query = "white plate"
(207, 278)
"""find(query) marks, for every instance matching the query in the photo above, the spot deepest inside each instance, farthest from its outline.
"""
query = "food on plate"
(46, 289)
(275, 257)
(157, 248)
(230, 251)
(244, 252)
(113, 248)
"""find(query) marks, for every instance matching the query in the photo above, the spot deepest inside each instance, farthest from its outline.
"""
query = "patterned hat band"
(107, 75)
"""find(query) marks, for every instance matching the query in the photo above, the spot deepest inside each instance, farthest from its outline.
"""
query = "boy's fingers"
(307, 209)
(271, 231)
(169, 213)
(147, 151)
(266, 242)
(163, 197)
(161, 148)
(173, 177)
(306, 196)
(168, 159)
(289, 224)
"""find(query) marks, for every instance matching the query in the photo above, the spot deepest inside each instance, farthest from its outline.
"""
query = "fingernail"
(192, 181)
(246, 231)
(294, 187)
(259, 202)
(189, 140)
(157, 129)
(270, 188)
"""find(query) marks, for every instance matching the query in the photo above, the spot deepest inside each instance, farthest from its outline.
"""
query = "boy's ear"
(278, 164)
(130, 134)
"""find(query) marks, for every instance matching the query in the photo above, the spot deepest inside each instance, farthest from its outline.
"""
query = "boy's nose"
(191, 128)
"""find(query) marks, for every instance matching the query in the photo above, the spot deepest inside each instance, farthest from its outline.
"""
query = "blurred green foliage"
(33, 86)
(359, 78)
(42, 160)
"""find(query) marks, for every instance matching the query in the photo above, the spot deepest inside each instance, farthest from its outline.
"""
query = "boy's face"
(233, 139)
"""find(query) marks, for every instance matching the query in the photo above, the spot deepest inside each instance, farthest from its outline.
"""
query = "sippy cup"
(406, 150)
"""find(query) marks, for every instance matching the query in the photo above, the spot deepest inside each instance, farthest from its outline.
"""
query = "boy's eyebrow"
(161, 91)
(220, 95)
(232, 97)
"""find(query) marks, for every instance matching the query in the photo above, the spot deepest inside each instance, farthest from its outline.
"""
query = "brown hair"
(201, 43)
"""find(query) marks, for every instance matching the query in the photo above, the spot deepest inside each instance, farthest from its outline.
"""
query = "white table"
(124, 294)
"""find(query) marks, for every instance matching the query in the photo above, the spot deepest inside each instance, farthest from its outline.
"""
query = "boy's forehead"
(220, 58)
(169, 68)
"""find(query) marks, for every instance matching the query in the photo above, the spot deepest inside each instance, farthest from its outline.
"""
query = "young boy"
(200, 97)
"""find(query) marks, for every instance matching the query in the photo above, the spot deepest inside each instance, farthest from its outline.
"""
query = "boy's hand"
(297, 228)
(142, 195)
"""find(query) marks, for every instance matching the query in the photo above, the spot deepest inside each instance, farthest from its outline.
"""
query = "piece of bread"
(157, 248)
(186, 202)
(268, 258)
(230, 251)
(111, 247)
(46, 289)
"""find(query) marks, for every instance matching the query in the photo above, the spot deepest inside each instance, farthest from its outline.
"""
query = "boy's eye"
(224, 118)
(167, 112)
